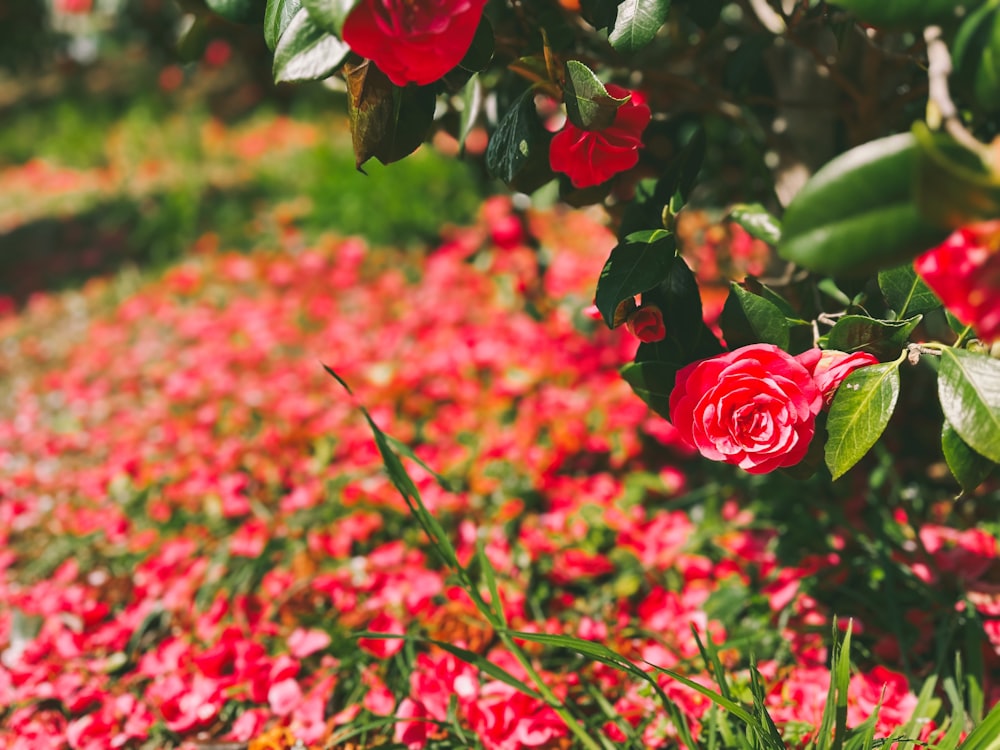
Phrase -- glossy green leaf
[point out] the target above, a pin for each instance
(757, 221)
(954, 187)
(909, 14)
(589, 106)
(969, 389)
(305, 52)
(905, 292)
(330, 15)
(859, 333)
(986, 736)
(749, 319)
(238, 11)
(277, 17)
(859, 414)
(600, 14)
(969, 468)
(636, 24)
(634, 266)
(520, 144)
(857, 214)
(652, 381)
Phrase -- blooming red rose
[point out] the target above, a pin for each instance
(964, 271)
(754, 407)
(646, 324)
(413, 41)
(830, 367)
(590, 157)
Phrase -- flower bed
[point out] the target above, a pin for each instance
(195, 522)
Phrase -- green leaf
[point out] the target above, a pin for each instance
(238, 11)
(758, 222)
(589, 106)
(305, 52)
(387, 122)
(652, 381)
(472, 105)
(969, 389)
(599, 13)
(976, 54)
(986, 736)
(749, 319)
(859, 333)
(906, 292)
(519, 147)
(688, 338)
(277, 16)
(857, 214)
(859, 414)
(908, 14)
(330, 15)
(637, 23)
(633, 267)
(968, 467)
(954, 187)
(481, 50)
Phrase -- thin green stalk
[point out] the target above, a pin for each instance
(564, 713)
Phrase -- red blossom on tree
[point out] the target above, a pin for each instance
(590, 157)
(413, 41)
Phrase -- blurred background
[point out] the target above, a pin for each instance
(130, 130)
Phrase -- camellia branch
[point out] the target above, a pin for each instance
(941, 108)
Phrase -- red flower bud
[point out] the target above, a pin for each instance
(646, 324)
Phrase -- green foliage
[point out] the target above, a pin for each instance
(857, 214)
(748, 319)
(859, 414)
(636, 265)
(636, 24)
(969, 389)
(304, 51)
(908, 13)
(758, 221)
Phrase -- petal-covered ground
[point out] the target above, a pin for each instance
(195, 520)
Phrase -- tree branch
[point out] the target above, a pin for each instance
(941, 108)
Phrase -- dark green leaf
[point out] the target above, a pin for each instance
(599, 13)
(969, 389)
(749, 319)
(762, 290)
(633, 268)
(986, 736)
(906, 292)
(859, 333)
(758, 222)
(330, 15)
(859, 414)
(305, 52)
(387, 122)
(908, 14)
(238, 11)
(520, 143)
(636, 24)
(967, 466)
(976, 53)
(954, 187)
(589, 106)
(652, 381)
(688, 338)
(857, 214)
(278, 15)
(481, 50)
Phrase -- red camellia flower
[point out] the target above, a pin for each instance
(590, 157)
(830, 367)
(754, 407)
(413, 41)
(646, 324)
(964, 271)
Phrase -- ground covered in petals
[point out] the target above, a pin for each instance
(195, 522)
